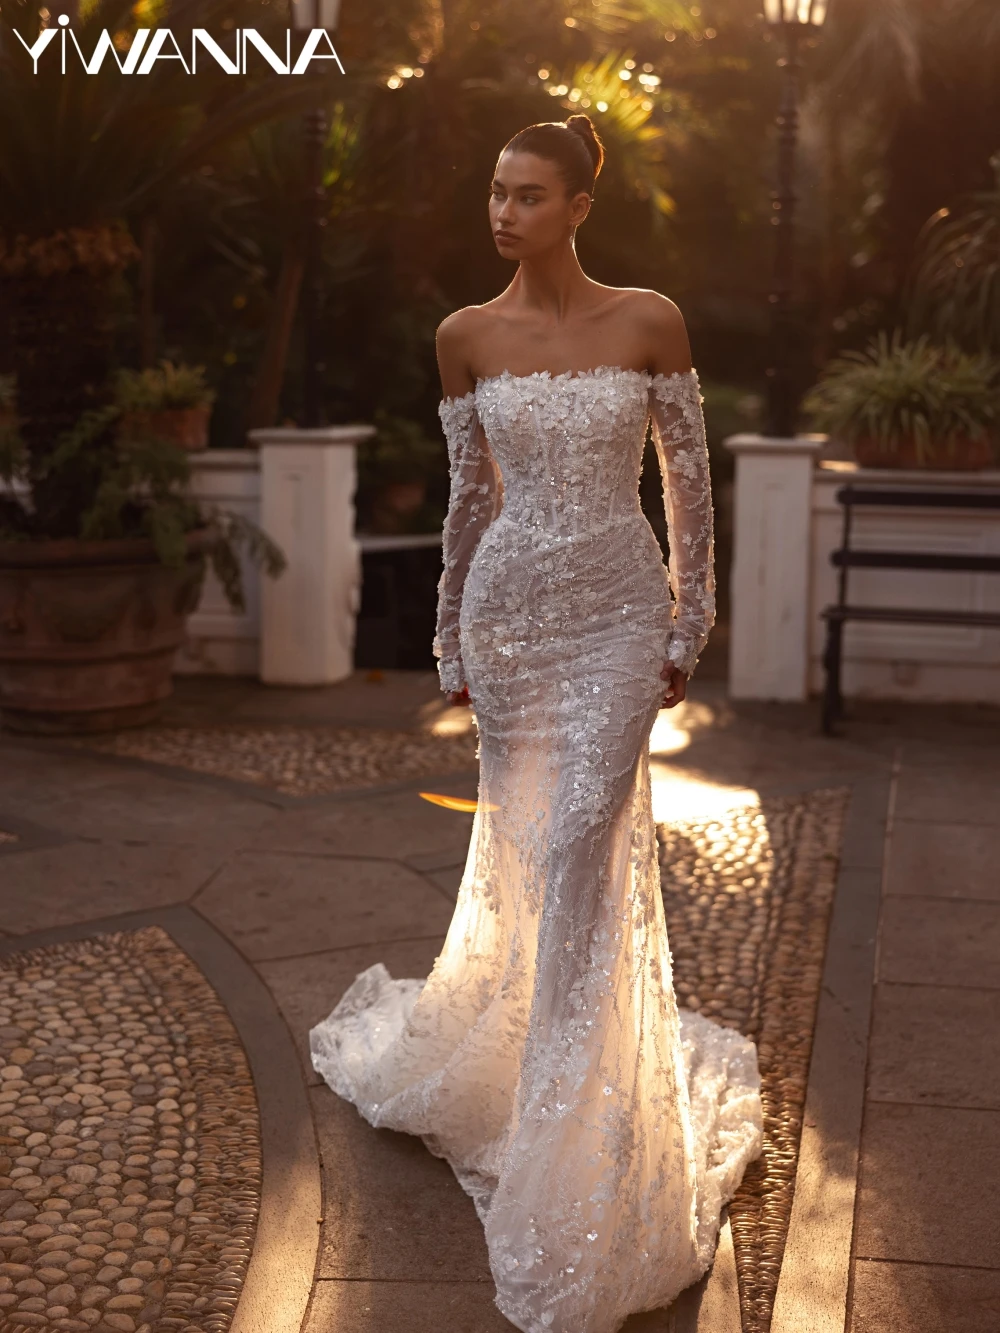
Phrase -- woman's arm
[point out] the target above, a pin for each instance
(679, 436)
(474, 498)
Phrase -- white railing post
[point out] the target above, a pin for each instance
(308, 614)
(769, 595)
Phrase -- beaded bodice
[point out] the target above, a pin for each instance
(558, 457)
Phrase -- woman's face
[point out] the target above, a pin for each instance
(529, 210)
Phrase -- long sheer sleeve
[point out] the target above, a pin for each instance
(679, 436)
(475, 497)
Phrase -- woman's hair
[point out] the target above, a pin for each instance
(573, 145)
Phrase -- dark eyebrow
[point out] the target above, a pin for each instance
(522, 187)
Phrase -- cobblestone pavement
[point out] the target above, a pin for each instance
(129, 1148)
(314, 888)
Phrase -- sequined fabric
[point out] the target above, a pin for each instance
(598, 1130)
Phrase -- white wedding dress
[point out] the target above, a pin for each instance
(598, 1130)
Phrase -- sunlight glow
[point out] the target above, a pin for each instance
(678, 794)
(805, 12)
(451, 802)
(453, 722)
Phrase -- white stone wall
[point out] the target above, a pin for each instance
(787, 522)
(957, 664)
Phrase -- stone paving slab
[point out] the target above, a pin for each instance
(80, 881)
(927, 1192)
(455, 1307)
(936, 1045)
(937, 860)
(91, 797)
(897, 1297)
(276, 906)
(944, 943)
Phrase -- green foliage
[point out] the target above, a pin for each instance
(160, 387)
(896, 390)
(955, 286)
(138, 487)
(233, 533)
(400, 450)
(80, 149)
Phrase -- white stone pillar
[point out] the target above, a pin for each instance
(769, 592)
(308, 613)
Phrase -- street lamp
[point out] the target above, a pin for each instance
(794, 19)
(307, 15)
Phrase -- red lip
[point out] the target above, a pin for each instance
(506, 236)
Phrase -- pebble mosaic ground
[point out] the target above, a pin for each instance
(297, 761)
(130, 1162)
(129, 1143)
(747, 897)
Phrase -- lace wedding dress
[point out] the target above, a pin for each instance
(598, 1130)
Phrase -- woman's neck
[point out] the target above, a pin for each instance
(552, 285)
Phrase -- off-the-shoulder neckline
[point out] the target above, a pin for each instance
(547, 375)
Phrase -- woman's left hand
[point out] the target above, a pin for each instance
(676, 685)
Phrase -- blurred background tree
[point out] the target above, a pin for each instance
(900, 121)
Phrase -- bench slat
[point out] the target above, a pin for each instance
(926, 499)
(914, 560)
(912, 615)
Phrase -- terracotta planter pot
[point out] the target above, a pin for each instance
(968, 456)
(183, 426)
(88, 632)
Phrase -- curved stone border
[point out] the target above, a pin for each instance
(276, 1289)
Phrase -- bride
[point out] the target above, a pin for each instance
(599, 1130)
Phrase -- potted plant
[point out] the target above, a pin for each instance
(167, 402)
(911, 403)
(394, 469)
(101, 548)
(91, 616)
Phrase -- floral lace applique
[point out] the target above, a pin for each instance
(598, 1130)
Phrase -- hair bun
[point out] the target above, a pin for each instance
(584, 127)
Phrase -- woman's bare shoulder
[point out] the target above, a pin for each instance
(463, 323)
(662, 326)
(457, 337)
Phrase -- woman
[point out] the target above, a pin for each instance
(598, 1130)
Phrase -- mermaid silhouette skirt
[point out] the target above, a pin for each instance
(598, 1130)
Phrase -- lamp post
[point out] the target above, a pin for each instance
(794, 19)
(306, 15)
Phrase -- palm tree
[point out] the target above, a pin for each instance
(955, 284)
(85, 159)
(904, 105)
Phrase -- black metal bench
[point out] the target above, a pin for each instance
(847, 558)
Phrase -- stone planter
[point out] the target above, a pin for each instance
(968, 456)
(186, 427)
(88, 632)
